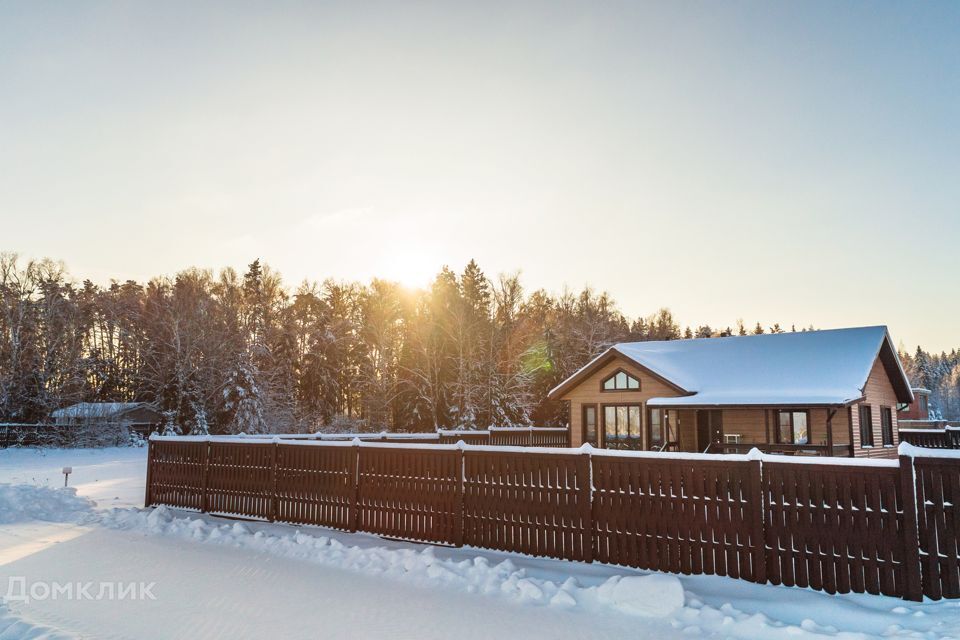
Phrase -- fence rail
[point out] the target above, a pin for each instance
(502, 436)
(948, 438)
(881, 527)
(511, 436)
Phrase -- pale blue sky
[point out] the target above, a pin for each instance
(783, 162)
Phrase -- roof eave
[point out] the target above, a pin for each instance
(900, 382)
(591, 367)
(750, 405)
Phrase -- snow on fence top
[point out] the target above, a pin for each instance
(536, 429)
(753, 454)
(424, 435)
(488, 430)
(463, 432)
(913, 451)
(333, 437)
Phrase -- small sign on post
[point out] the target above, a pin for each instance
(66, 474)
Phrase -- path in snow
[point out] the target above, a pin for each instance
(205, 591)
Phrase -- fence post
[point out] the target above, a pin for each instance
(147, 498)
(913, 579)
(585, 500)
(204, 483)
(273, 481)
(355, 494)
(458, 508)
(759, 518)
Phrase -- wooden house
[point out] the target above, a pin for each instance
(829, 393)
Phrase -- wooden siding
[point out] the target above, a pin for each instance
(918, 409)
(588, 392)
(878, 392)
(687, 425)
(751, 425)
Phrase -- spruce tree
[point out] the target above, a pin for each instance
(243, 399)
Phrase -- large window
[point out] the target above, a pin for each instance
(886, 425)
(663, 429)
(866, 426)
(590, 424)
(621, 426)
(621, 381)
(793, 427)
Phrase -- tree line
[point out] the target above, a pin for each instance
(940, 373)
(229, 353)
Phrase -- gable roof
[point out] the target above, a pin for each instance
(100, 409)
(828, 367)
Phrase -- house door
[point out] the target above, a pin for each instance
(709, 428)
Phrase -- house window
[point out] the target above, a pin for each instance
(662, 429)
(923, 406)
(621, 426)
(590, 424)
(866, 426)
(621, 381)
(886, 425)
(793, 427)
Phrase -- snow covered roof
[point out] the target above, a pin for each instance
(99, 409)
(827, 367)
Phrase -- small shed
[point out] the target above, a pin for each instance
(141, 417)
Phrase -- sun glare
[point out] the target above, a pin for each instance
(414, 269)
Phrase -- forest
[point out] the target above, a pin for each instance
(230, 353)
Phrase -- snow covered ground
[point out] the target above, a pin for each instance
(210, 577)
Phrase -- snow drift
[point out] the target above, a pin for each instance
(13, 627)
(641, 595)
(24, 503)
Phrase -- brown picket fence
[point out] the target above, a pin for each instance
(835, 527)
(510, 436)
(840, 526)
(680, 515)
(938, 521)
(946, 438)
(527, 502)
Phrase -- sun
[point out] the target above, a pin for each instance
(409, 267)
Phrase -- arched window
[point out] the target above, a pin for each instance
(621, 381)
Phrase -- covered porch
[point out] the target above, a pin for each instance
(787, 430)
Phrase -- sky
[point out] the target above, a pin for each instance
(791, 162)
